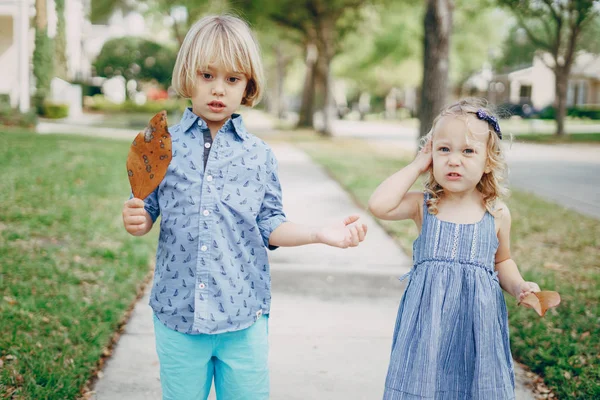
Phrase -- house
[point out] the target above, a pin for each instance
(15, 51)
(535, 84)
(17, 42)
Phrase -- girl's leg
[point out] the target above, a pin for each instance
(186, 365)
(242, 363)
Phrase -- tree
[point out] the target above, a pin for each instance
(136, 58)
(320, 26)
(436, 47)
(60, 42)
(42, 55)
(556, 27)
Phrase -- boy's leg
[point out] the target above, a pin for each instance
(242, 363)
(186, 365)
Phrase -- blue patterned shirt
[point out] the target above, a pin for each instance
(212, 272)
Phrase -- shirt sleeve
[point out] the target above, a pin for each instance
(271, 213)
(151, 204)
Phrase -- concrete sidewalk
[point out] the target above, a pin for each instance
(332, 315)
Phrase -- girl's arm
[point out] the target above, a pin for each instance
(508, 273)
(391, 201)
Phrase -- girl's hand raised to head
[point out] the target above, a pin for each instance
(424, 158)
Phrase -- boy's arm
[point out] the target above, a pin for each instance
(139, 215)
(343, 235)
(508, 273)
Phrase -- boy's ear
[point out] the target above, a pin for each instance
(250, 91)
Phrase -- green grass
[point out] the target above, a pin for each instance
(549, 138)
(68, 270)
(555, 247)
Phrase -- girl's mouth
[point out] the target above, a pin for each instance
(453, 176)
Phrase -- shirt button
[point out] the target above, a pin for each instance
(205, 213)
(207, 145)
(259, 313)
(209, 178)
(201, 285)
(199, 122)
(203, 248)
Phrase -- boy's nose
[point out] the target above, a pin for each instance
(218, 90)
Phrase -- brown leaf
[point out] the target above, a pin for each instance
(542, 301)
(149, 157)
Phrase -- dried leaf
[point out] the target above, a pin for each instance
(542, 301)
(149, 157)
(553, 266)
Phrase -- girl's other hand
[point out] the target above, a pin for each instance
(526, 289)
(424, 158)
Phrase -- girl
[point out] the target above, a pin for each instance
(221, 209)
(451, 335)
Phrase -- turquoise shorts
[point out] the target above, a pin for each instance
(238, 362)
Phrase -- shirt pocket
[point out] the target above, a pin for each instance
(244, 189)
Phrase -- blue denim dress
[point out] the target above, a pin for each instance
(451, 336)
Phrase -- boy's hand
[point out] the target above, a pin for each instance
(424, 159)
(525, 289)
(136, 219)
(343, 235)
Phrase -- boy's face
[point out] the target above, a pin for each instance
(459, 152)
(217, 94)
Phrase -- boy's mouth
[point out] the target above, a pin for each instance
(216, 106)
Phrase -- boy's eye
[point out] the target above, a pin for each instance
(206, 75)
(233, 79)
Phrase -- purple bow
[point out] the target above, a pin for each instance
(490, 119)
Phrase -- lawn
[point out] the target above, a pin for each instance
(68, 270)
(558, 248)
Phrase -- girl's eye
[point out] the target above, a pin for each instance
(469, 151)
(444, 149)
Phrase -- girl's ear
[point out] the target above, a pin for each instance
(487, 169)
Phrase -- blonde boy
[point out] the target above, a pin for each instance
(221, 207)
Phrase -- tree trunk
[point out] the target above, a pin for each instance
(560, 103)
(436, 46)
(281, 65)
(307, 106)
(326, 46)
(61, 68)
(41, 15)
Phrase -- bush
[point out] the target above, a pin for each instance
(55, 110)
(99, 103)
(575, 112)
(13, 117)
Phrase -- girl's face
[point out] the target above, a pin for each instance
(460, 152)
(217, 94)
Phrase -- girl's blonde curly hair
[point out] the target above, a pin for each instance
(493, 183)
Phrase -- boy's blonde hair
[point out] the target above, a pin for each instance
(219, 39)
(493, 183)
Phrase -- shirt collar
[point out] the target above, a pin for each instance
(188, 119)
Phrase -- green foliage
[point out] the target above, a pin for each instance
(60, 41)
(13, 117)
(55, 110)
(99, 103)
(575, 112)
(136, 58)
(69, 270)
(43, 67)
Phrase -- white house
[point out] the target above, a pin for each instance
(15, 51)
(17, 42)
(534, 85)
